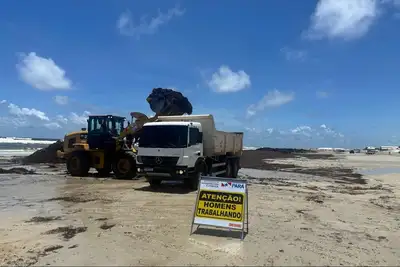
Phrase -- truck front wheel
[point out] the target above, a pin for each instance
(193, 181)
(154, 183)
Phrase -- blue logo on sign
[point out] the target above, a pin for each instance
(238, 186)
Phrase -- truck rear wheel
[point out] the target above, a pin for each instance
(124, 165)
(235, 168)
(78, 163)
(229, 168)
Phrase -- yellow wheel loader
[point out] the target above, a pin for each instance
(106, 146)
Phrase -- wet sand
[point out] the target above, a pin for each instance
(49, 218)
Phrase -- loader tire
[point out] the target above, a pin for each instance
(124, 165)
(78, 163)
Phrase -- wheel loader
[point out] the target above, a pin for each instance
(105, 149)
(106, 145)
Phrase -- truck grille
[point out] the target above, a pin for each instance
(162, 161)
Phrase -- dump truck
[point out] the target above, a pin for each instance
(186, 147)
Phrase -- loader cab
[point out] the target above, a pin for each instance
(103, 131)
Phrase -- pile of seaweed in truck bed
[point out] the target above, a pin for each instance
(45, 155)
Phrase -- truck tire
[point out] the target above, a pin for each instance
(193, 182)
(229, 168)
(235, 168)
(78, 163)
(124, 165)
(155, 183)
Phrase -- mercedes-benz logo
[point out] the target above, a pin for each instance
(158, 160)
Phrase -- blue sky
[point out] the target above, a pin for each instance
(287, 73)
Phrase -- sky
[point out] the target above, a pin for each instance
(287, 73)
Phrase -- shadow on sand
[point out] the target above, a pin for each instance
(169, 188)
(219, 232)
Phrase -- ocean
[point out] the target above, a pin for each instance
(14, 146)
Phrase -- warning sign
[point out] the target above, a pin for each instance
(221, 202)
(220, 205)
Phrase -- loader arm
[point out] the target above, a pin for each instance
(134, 128)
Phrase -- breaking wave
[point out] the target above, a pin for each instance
(22, 144)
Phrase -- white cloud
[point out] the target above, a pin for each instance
(342, 19)
(20, 117)
(328, 131)
(126, 26)
(7, 121)
(272, 99)
(79, 119)
(26, 112)
(53, 125)
(300, 136)
(293, 54)
(61, 119)
(3, 101)
(61, 100)
(42, 73)
(301, 130)
(225, 80)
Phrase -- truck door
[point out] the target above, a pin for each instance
(195, 147)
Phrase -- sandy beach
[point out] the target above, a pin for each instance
(49, 218)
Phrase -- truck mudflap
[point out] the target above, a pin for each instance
(174, 172)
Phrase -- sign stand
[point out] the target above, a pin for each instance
(222, 194)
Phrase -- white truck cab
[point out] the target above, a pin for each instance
(175, 148)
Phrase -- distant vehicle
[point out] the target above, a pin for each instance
(370, 152)
(355, 151)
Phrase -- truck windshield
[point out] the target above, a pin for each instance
(164, 136)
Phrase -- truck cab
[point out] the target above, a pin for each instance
(169, 150)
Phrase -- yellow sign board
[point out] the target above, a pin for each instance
(220, 205)
(221, 202)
